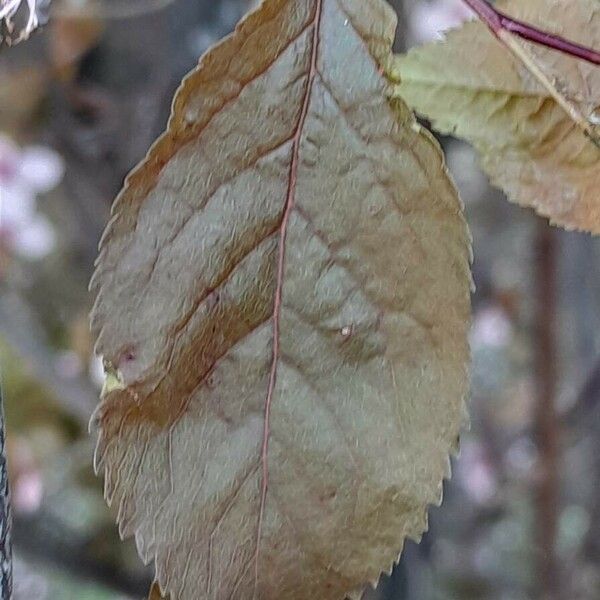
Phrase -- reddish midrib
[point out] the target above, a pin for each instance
(289, 207)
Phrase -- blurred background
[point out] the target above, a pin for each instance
(80, 103)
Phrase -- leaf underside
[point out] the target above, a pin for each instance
(472, 87)
(283, 297)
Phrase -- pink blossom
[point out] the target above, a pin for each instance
(475, 473)
(27, 483)
(491, 328)
(25, 173)
(428, 20)
(28, 492)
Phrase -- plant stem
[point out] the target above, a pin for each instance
(6, 561)
(498, 22)
(547, 480)
(5, 517)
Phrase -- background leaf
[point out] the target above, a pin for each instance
(283, 301)
(472, 87)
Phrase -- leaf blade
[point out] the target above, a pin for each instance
(191, 269)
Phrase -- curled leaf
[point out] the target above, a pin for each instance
(283, 299)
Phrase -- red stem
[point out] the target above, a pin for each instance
(498, 21)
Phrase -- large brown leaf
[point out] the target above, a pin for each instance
(283, 300)
(471, 86)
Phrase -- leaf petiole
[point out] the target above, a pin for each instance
(498, 22)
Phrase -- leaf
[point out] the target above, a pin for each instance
(282, 306)
(472, 87)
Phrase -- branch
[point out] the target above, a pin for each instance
(510, 32)
(498, 22)
(547, 429)
(5, 517)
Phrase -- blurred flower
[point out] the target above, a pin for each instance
(96, 371)
(27, 483)
(68, 364)
(475, 473)
(27, 492)
(491, 327)
(491, 335)
(23, 175)
(429, 19)
(463, 163)
(520, 458)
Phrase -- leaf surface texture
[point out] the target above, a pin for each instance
(282, 306)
